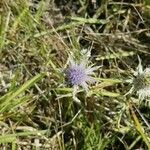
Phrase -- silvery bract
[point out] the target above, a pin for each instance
(141, 82)
(79, 75)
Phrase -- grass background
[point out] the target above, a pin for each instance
(36, 109)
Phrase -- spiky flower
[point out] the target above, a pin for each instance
(141, 82)
(79, 74)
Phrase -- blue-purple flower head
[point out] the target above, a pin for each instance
(79, 74)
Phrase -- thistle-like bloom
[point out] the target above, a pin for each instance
(141, 82)
(80, 74)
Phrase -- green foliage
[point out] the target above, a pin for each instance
(37, 109)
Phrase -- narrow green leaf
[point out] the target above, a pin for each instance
(7, 138)
(25, 86)
(3, 29)
(89, 20)
(16, 93)
(139, 128)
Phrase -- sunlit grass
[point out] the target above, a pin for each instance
(37, 110)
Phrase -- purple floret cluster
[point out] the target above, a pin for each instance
(80, 74)
(75, 74)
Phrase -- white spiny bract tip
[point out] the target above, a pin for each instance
(79, 74)
(144, 92)
(142, 84)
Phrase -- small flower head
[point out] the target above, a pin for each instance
(141, 82)
(79, 74)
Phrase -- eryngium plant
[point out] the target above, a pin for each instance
(141, 82)
(79, 75)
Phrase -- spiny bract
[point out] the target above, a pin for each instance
(79, 74)
(141, 82)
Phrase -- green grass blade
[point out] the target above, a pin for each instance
(139, 128)
(21, 89)
(7, 138)
(89, 20)
(3, 29)
(25, 86)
